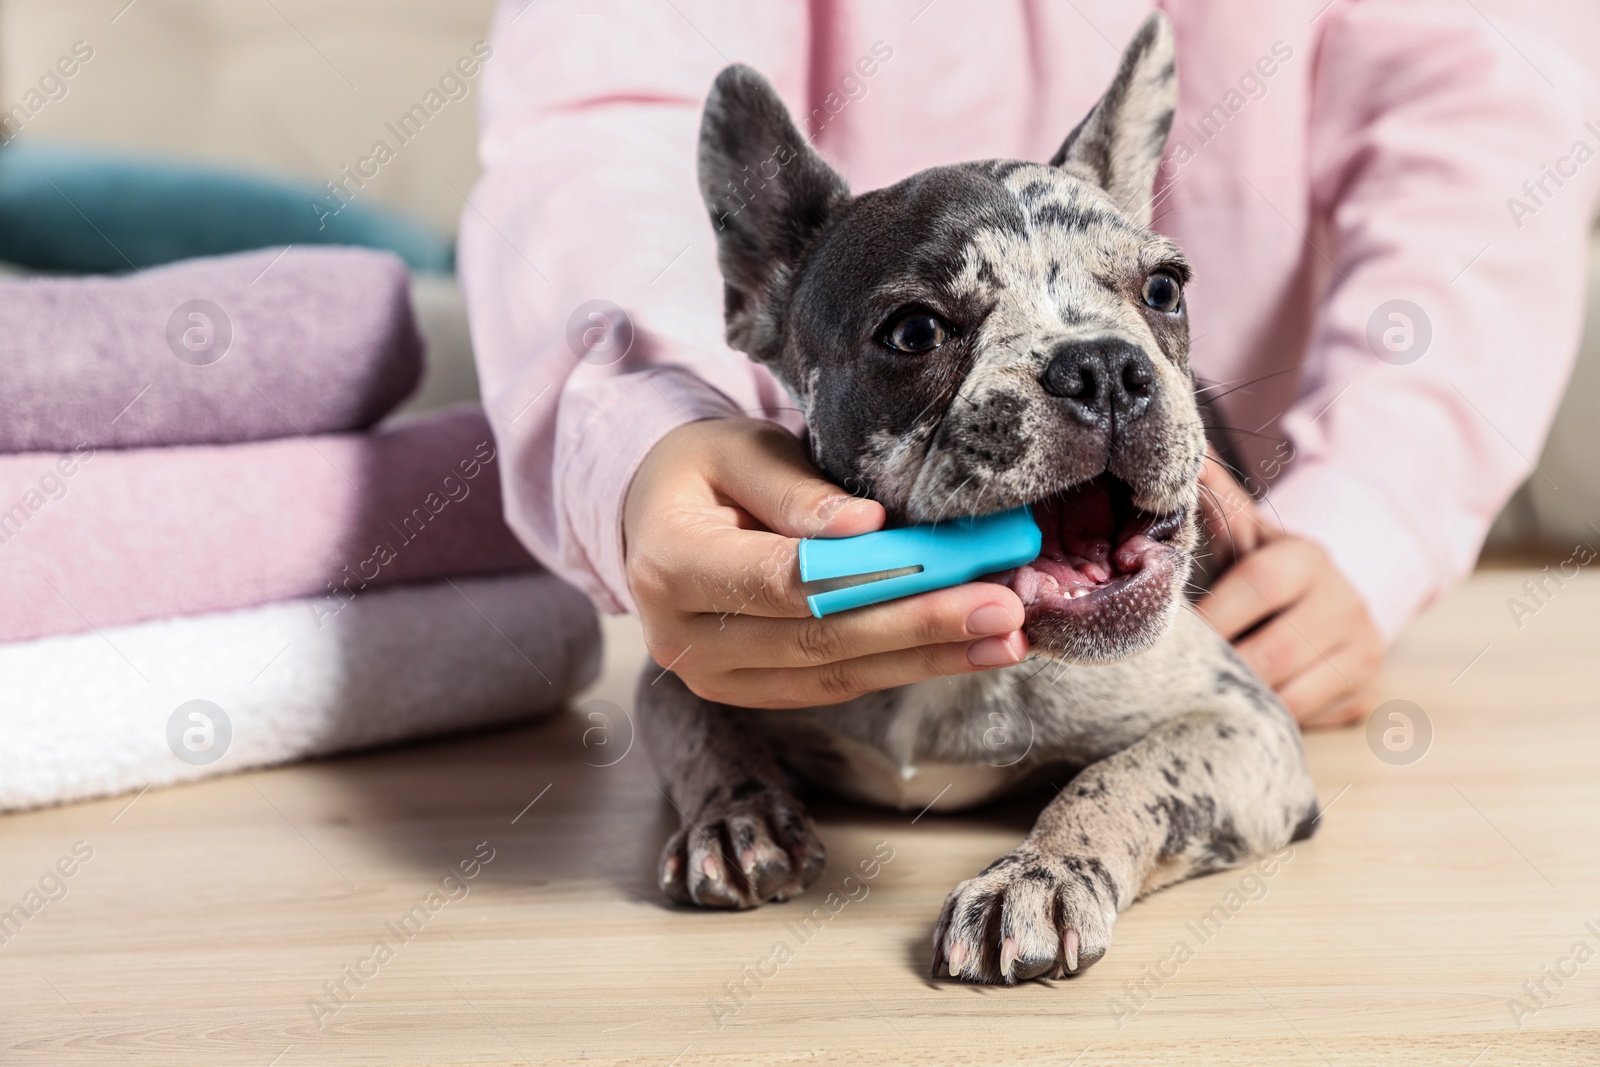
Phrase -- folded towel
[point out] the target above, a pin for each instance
(101, 537)
(236, 348)
(102, 713)
(75, 209)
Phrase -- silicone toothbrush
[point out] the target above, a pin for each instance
(916, 559)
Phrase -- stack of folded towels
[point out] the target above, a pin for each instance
(195, 506)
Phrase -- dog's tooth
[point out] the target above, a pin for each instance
(1069, 944)
(1008, 956)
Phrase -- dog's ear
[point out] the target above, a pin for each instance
(1119, 145)
(768, 193)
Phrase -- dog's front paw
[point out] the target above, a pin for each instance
(1027, 915)
(743, 851)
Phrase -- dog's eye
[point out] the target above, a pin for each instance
(1163, 292)
(917, 331)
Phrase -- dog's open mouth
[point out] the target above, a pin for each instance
(1100, 554)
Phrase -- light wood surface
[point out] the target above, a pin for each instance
(209, 915)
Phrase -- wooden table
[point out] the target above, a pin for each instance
(211, 921)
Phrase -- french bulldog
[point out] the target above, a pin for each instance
(979, 337)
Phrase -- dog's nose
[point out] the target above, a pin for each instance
(1099, 377)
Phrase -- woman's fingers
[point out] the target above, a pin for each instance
(1333, 690)
(1281, 649)
(770, 477)
(1321, 651)
(722, 570)
(834, 683)
(1265, 582)
(963, 613)
(1323, 619)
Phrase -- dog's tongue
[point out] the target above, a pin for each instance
(1079, 528)
(1083, 546)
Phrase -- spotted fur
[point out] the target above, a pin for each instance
(1172, 757)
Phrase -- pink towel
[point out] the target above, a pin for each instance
(98, 537)
(228, 348)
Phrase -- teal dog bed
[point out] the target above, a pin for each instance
(78, 210)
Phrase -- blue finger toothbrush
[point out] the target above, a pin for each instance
(891, 564)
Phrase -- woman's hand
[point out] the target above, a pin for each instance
(711, 524)
(1307, 631)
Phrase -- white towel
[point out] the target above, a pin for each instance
(93, 714)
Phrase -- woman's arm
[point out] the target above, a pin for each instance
(589, 194)
(1427, 120)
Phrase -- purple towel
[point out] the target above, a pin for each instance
(245, 347)
(98, 538)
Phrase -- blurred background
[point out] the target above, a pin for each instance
(296, 90)
(248, 529)
(289, 90)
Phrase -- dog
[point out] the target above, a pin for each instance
(975, 338)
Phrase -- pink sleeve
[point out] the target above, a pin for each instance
(590, 117)
(1426, 121)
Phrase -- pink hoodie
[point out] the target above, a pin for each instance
(1328, 159)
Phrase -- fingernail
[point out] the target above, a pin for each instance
(832, 506)
(994, 652)
(850, 507)
(990, 619)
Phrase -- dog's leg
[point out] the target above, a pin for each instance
(1204, 790)
(744, 838)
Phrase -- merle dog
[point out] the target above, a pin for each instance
(975, 338)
